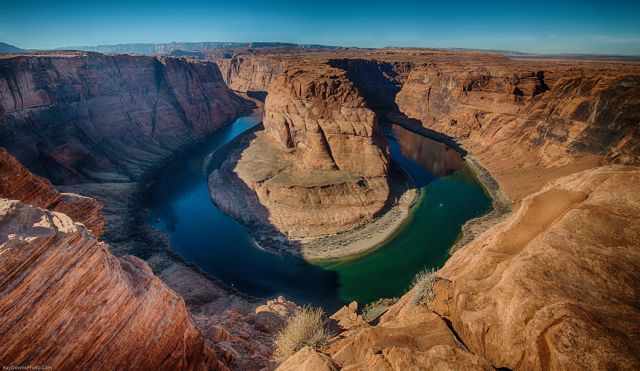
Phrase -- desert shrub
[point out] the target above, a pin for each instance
(423, 287)
(374, 309)
(305, 328)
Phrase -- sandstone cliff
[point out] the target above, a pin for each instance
(247, 73)
(319, 167)
(553, 287)
(86, 117)
(528, 122)
(68, 303)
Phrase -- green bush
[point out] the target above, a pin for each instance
(305, 328)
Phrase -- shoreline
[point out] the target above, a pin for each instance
(366, 238)
(501, 205)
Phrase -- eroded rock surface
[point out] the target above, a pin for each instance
(250, 73)
(319, 167)
(17, 183)
(555, 286)
(66, 302)
(529, 122)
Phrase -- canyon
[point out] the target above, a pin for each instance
(550, 282)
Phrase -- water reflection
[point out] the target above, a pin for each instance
(435, 157)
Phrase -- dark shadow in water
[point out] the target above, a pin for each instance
(203, 235)
(414, 125)
(258, 95)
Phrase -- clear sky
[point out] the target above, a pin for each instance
(587, 26)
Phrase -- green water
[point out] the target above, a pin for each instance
(446, 203)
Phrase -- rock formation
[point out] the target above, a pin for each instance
(319, 167)
(250, 73)
(68, 303)
(240, 334)
(17, 183)
(554, 286)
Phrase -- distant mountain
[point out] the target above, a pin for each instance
(8, 48)
(168, 48)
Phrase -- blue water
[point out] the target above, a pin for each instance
(200, 233)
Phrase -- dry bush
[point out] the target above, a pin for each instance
(305, 328)
(423, 287)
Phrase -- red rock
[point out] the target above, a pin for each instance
(67, 303)
(18, 183)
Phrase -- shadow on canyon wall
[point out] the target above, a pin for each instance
(379, 83)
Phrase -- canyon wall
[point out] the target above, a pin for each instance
(377, 80)
(247, 73)
(521, 118)
(85, 117)
(319, 167)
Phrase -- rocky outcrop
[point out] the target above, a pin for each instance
(67, 303)
(555, 285)
(552, 287)
(17, 183)
(417, 340)
(240, 334)
(85, 117)
(319, 167)
(246, 336)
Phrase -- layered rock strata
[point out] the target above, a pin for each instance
(319, 167)
(247, 73)
(527, 122)
(68, 303)
(241, 333)
(99, 125)
(86, 117)
(17, 183)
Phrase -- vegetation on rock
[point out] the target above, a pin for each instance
(423, 287)
(305, 328)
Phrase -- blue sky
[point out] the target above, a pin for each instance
(608, 27)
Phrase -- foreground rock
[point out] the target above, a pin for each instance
(319, 167)
(553, 287)
(18, 183)
(68, 303)
(240, 332)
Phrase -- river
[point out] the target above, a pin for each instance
(200, 233)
